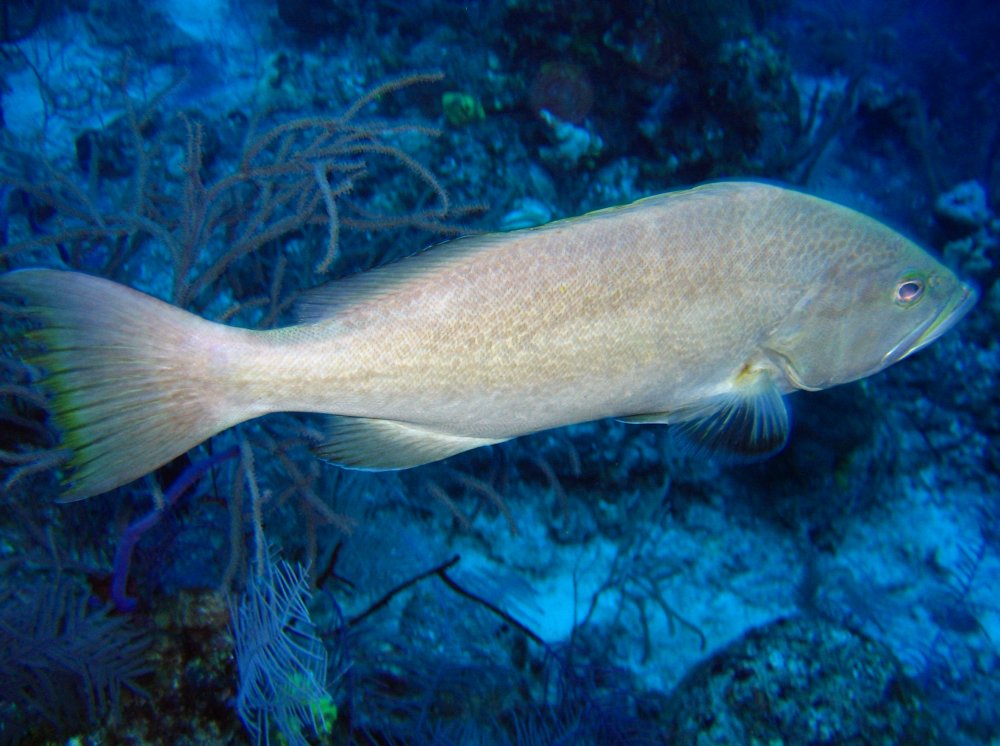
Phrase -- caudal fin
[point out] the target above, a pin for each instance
(133, 379)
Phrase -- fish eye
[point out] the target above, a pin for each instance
(909, 291)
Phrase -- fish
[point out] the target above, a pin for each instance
(700, 308)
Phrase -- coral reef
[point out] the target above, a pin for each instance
(596, 584)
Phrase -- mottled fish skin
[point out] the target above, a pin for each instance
(646, 308)
(636, 309)
(699, 306)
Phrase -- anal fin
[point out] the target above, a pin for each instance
(381, 445)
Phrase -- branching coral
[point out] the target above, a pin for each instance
(290, 179)
(62, 663)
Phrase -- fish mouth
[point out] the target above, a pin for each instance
(927, 332)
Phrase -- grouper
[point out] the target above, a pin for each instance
(701, 307)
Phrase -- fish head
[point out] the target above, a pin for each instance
(878, 298)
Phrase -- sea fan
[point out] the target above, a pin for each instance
(62, 663)
(282, 664)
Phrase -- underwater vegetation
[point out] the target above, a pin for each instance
(596, 584)
(63, 663)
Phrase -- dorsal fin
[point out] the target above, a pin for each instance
(326, 302)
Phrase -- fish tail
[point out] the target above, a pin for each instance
(135, 382)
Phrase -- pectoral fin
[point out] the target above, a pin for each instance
(749, 422)
(379, 445)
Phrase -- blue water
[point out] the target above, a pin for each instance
(596, 584)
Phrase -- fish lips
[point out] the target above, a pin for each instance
(934, 327)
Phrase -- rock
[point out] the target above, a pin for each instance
(798, 682)
(964, 206)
